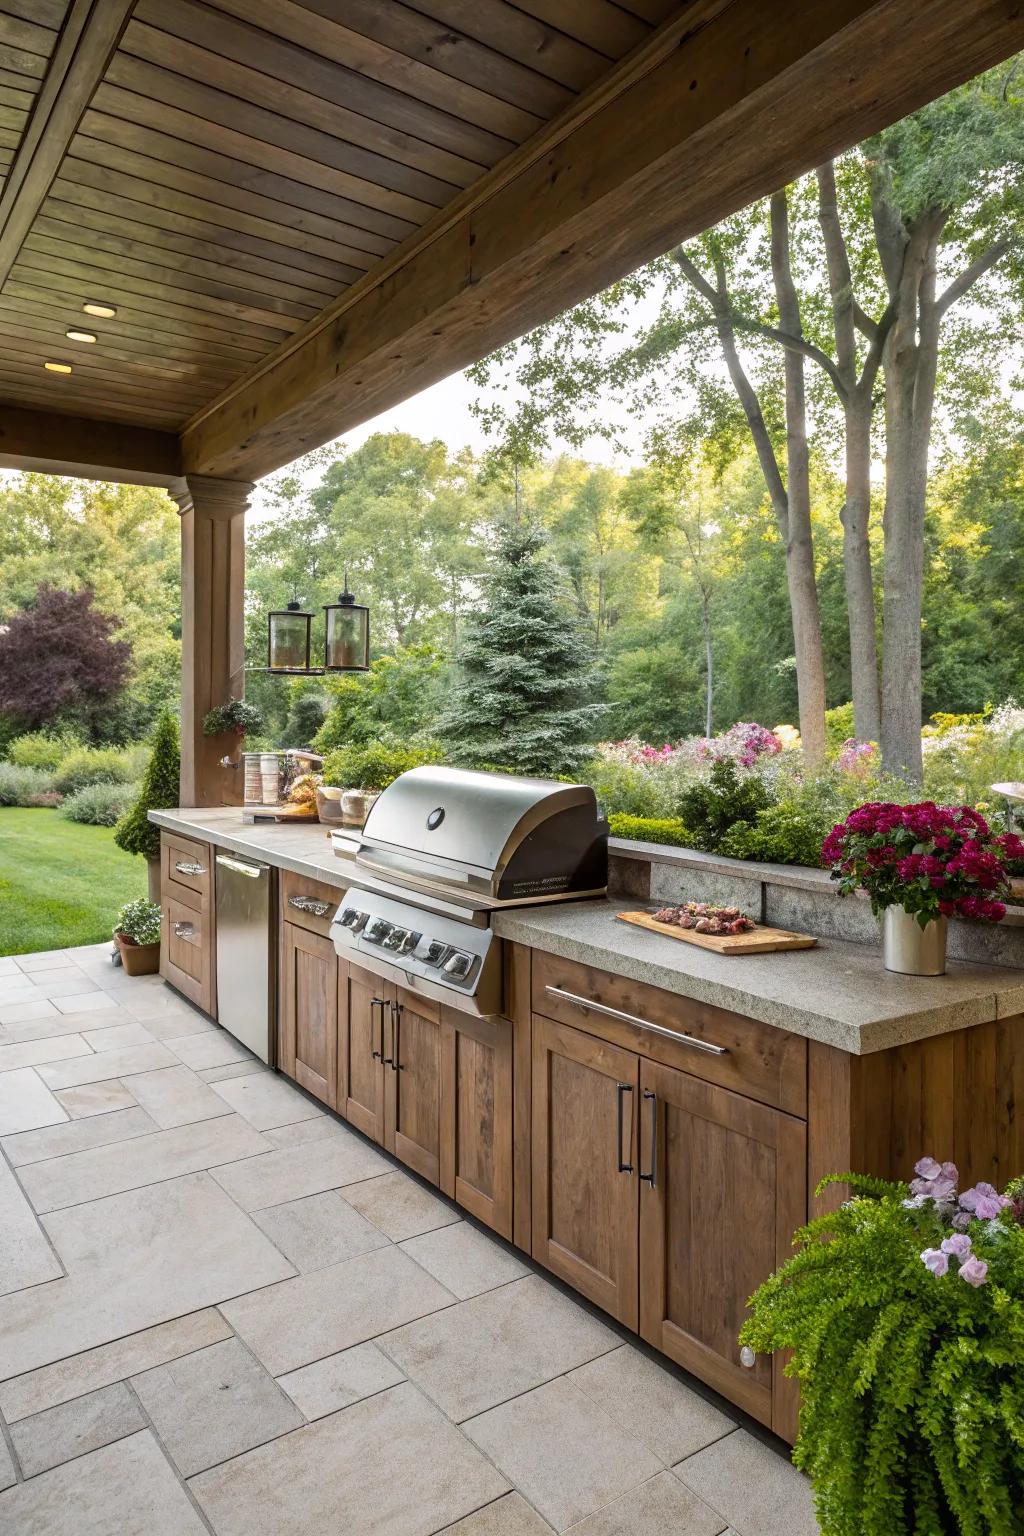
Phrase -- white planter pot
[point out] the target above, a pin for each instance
(910, 949)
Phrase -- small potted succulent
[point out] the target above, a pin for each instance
(921, 865)
(137, 932)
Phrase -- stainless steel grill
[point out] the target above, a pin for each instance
(443, 848)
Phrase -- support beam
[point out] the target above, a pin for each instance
(725, 104)
(212, 629)
(94, 450)
(91, 32)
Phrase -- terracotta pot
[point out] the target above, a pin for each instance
(138, 959)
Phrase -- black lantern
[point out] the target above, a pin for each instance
(348, 635)
(288, 639)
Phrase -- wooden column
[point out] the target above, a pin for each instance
(212, 628)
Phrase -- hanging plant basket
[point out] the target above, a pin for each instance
(235, 717)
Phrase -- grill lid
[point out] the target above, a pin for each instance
(511, 839)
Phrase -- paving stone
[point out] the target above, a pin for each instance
(318, 1231)
(76, 1135)
(45, 960)
(303, 1130)
(26, 1257)
(174, 1023)
(215, 1404)
(105, 1064)
(400, 1206)
(36, 1029)
(266, 1101)
(751, 1486)
(562, 1451)
(301, 1320)
(96, 1098)
(508, 1516)
(128, 1489)
(340, 1380)
(396, 1468)
(209, 1050)
(656, 1508)
(17, 1013)
(661, 1410)
(134, 1260)
(32, 1053)
(95, 1368)
(114, 1037)
(175, 1096)
(54, 984)
(8, 1476)
(60, 1434)
(108, 1170)
(291, 1172)
(26, 1102)
(497, 1345)
(465, 1260)
(83, 1002)
(232, 1069)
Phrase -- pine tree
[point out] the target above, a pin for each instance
(135, 833)
(523, 690)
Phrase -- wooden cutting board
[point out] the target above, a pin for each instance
(757, 941)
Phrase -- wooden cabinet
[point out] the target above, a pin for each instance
(476, 1116)
(364, 1018)
(723, 1187)
(188, 920)
(412, 1084)
(308, 1012)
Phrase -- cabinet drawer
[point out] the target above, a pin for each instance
(185, 867)
(186, 950)
(307, 903)
(752, 1058)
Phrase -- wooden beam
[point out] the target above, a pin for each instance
(91, 32)
(727, 102)
(95, 450)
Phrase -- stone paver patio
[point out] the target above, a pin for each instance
(223, 1311)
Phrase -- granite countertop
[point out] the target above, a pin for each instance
(837, 993)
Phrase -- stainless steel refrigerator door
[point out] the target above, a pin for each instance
(245, 952)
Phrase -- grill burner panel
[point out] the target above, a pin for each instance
(424, 952)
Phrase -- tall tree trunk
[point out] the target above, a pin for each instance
(709, 662)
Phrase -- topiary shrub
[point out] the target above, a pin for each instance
(306, 715)
(25, 786)
(38, 749)
(159, 790)
(99, 805)
(715, 805)
(91, 765)
(650, 829)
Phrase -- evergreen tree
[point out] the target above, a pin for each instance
(523, 690)
(135, 833)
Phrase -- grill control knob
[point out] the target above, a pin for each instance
(352, 918)
(433, 952)
(377, 930)
(458, 965)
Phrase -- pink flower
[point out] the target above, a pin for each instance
(984, 1201)
(935, 1260)
(927, 1168)
(974, 1271)
(958, 1245)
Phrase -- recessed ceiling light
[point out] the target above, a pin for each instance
(101, 311)
(80, 335)
(58, 367)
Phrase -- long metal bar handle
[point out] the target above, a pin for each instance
(621, 1089)
(651, 1177)
(377, 1002)
(240, 868)
(586, 1003)
(396, 1037)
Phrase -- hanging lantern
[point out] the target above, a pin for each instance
(288, 639)
(348, 635)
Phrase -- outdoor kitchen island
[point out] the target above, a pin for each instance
(647, 1119)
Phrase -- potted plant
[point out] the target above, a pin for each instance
(237, 717)
(921, 865)
(361, 772)
(904, 1310)
(159, 790)
(137, 932)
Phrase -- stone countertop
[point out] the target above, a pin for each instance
(837, 993)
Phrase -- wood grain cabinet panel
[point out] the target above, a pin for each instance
(308, 903)
(723, 1189)
(188, 920)
(412, 1083)
(476, 1116)
(308, 1022)
(185, 866)
(364, 1028)
(585, 1209)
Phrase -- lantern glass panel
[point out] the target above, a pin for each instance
(289, 641)
(348, 637)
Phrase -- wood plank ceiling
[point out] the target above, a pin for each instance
(239, 163)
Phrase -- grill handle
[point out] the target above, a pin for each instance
(587, 1004)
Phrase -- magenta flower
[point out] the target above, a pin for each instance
(935, 1260)
(974, 1271)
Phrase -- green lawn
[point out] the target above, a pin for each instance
(60, 883)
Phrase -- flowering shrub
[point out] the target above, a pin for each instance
(857, 757)
(931, 860)
(904, 1310)
(743, 742)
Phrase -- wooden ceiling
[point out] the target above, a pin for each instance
(237, 164)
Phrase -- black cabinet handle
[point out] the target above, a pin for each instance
(621, 1089)
(377, 1002)
(396, 1037)
(651, 1177)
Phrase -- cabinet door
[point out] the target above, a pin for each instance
(585, 1206)
(364, 1035)
(308, 1029)
(412, 1084)
(186, 948)
(729, 1188)
(476, 1116)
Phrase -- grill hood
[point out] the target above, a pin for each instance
(490, 837)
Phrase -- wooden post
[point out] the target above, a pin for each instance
(212, 628)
